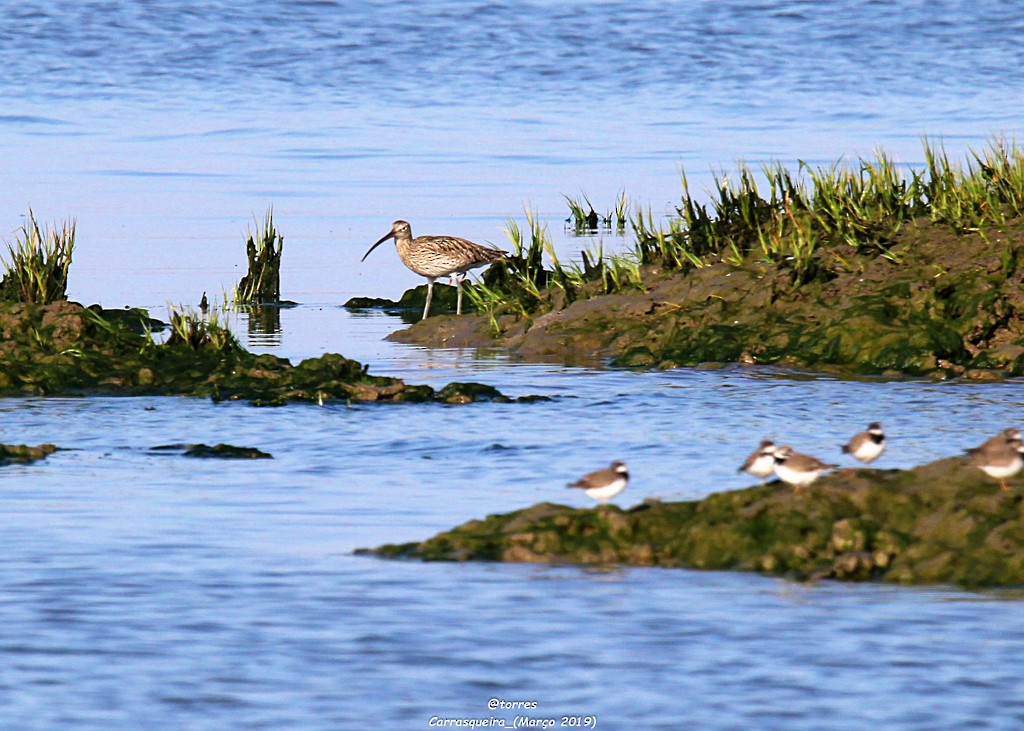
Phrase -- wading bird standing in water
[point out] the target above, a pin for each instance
(438, 256)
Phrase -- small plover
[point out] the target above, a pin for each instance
(798, 469)
(867, 445)
(1001, 456)
(602, 485)
(761, 462)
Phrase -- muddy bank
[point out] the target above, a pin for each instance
(937, 303)
(944, 522)
(66, 349)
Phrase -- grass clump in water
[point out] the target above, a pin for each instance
(200, 331)
(39, 262)
(583, 220)
(262, 283)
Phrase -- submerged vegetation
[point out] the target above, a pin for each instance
(262, 282)
(39, 262)
(868, 267)
(944, 522)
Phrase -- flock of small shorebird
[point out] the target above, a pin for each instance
(432, 257)
(1001, 457)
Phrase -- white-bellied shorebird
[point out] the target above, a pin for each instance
(868, 444)
(761, 462)
(799, 470)
(602, 485)
(1001, 456)
(438, 256)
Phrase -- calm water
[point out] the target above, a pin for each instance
(142, 590)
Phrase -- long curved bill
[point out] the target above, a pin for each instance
(383, 238)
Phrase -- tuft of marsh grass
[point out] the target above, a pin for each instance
(262, 282)
(517, 280)
(583, 220)
(200, 331)
(805, 220)
(39, 263)
(989, 189)
(811, 222)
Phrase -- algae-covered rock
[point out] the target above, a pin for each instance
(942, 522)
(24, 454)
(412, 301)
(217, 451)
(64, 348)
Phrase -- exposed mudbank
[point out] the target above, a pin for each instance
(937, 303)
(66, 349)
(943, 522)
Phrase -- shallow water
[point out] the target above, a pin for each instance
(142, 590)
(165, 592)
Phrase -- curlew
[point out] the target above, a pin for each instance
(438, 256)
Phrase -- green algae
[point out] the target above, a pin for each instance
(65, 349)
(24, 454)
(940, 523)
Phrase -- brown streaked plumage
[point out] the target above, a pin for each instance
(605, 484)
(798, 469)
(761, 462)
(868, 444)
(437, 256)
(1000, 456)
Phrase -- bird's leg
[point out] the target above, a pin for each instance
(1002, 485)
(458, 297)
(430, 293)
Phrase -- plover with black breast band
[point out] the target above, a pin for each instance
(1001, 456)
(799, 470)
(761, 462)
(866, 445)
